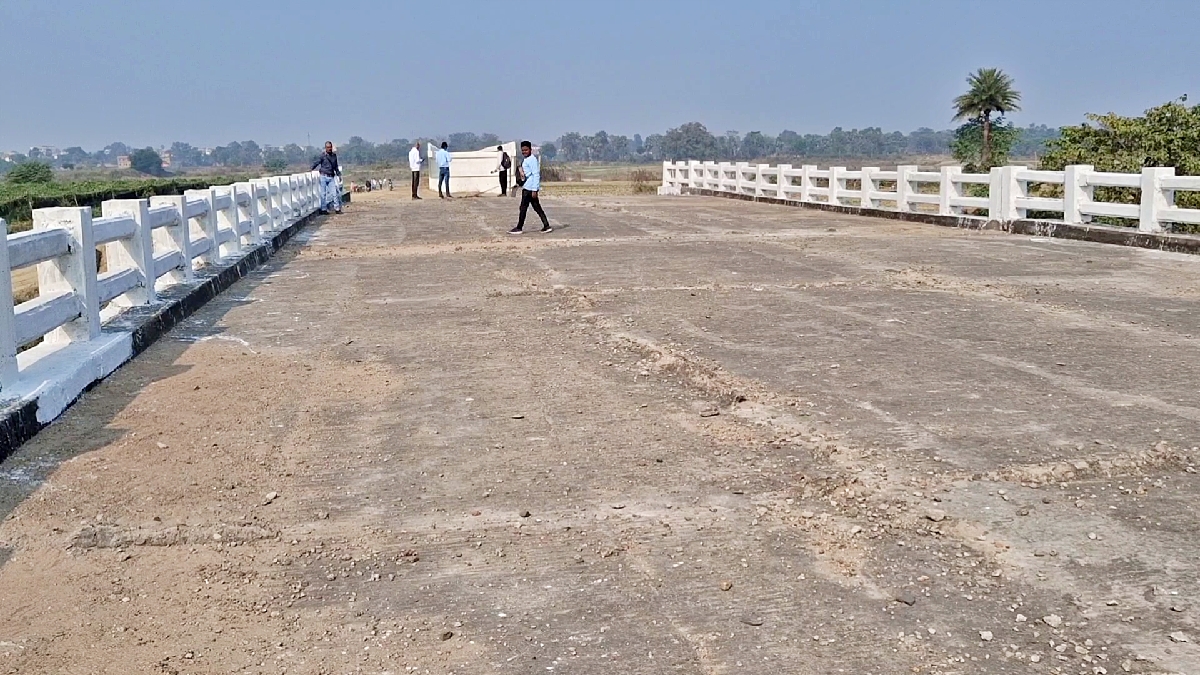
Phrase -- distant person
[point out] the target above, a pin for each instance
(415, 160)
(529, 177)
(443, 162)
(327, 166)
(503, 167)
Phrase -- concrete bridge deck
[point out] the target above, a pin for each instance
(411, 444)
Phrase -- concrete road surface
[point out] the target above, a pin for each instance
(676, 435)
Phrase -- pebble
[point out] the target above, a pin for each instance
(1053, 620)
(447, 635)
(161, 445)
(270, 497)
(985, 635)
(518, 417)
(1178, 636)
(726, 585)
(936, 515)
(752, 620)
(906, 598)
(525, 514)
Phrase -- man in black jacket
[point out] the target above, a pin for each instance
(327, 165)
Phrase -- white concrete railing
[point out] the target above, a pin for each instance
(149, 245)
(1009, 194)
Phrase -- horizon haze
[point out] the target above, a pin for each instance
(144, 73)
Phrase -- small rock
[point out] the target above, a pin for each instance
(518, 417)
(270, 497)
(1021, 618)
(1023, 511)
(726, 585)
(447, 635)
(476, 512)
(936, 515)
(161, 445)
(906, 598)
(618, 506)
(1053, 620)
(1092, 536)
(1178, 636)
(525, 513)
(985, 635)
(752, 620)
(1178, 608)
(1034, 658)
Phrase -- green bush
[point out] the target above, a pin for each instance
(31, 173)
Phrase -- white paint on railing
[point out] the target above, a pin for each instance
(148, 245)
(1009, 195)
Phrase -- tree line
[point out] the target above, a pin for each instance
(693, 141)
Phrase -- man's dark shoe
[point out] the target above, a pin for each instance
(516, 230)
(547, 228)
(322, 212)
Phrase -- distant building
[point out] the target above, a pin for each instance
(166, 158)
(46, 151)
(124, 163)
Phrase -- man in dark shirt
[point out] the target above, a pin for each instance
(327, 166)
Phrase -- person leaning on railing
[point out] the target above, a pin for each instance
(327, 166)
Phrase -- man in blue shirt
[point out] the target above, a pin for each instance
(529, 177)
(443, 162)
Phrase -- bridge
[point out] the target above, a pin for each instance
(679, 434)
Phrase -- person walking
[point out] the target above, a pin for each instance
(529, 177)
(503, 167)
(443, 162)
(415, 160)
(327, 166)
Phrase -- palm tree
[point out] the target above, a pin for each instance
(990, 91)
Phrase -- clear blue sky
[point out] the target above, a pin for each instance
(88, 72)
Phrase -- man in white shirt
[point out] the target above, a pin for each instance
(529, 177)
(415, 160)
(443, 162)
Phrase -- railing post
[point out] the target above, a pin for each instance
(866, 187)
(75, 271)
(723, 169)
(762, 185)
(948, 189)
(293, 197)
(1076, 192)
(208, 223)
(1154, 198)
(781, 185)
(177, 237)
(8, 318)
(835, 185)
(693, 177)
(229, 218)
(904, 174)
(248, 212)
(997, 194)
(136, 252)
(806, 182)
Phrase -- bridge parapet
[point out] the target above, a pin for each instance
(1006, 194)
(59, 342)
